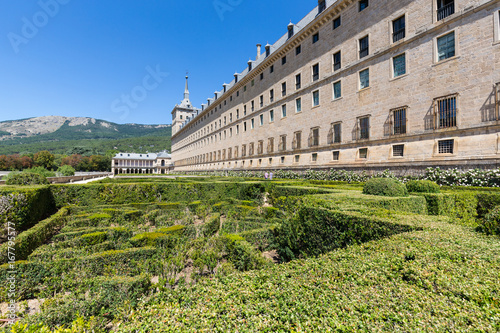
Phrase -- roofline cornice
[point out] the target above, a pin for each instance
(298, 38)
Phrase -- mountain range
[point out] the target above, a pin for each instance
(83, 135)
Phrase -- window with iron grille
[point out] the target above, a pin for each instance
(315, 37)
(363, 153)
(398, 150)
(314, 157)
(283, 111)
(229, 153)
(337, 22)
(364, 79)
(363, 47)
(445, 8)
(336, 155)
(260, 147)
(270, 145)
(297, 158)
(446, 146)
(445, 109)
(283, 89)
(398, 29)
(399, 65)
(298, 50)
(236, 152)
(315, 72)
(316, 98)
(297, 140)
(298, 105)
(314, 137)
(297, 81)
(337, 61)
(446, 46)
(250, 149)
(282, 159)
(398, 118)
(364, 128)
(282, 143)
(335, 135)
(337, 90)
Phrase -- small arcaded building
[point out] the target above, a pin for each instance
(130, 163)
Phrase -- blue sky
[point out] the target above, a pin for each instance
(81, 57)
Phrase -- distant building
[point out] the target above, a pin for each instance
(129, 163)
(358, 84)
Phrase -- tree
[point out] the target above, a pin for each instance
(44, 159)
(72, 160)
(66, 171)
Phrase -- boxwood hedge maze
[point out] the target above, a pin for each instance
(247, 255)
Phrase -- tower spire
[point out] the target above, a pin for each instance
(186, 91)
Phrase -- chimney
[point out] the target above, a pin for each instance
(258, 51)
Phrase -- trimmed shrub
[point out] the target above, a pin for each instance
(31, 239)
(460, 205)
(314, 231)
(26, 178)
(422, 186)
(242, 254)
(93, 238)
(388, 187)
(212, 225)
(490, 224)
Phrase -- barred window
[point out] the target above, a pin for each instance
(363, 153)
(314, 137)
(282, 159)
(445, 8)
(445, 109)
(243, 150)
(364, 128)
(251, 149)
(398, 118)
(297, 140)
(398, 150)
(336, 155)
(297, 158)
(282, 143)
(398, 29)
(314, 157)
(260, 147)
(446, 146)
(270, 145)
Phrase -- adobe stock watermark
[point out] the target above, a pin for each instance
(48, 9)
(223, 6)
(139, 93)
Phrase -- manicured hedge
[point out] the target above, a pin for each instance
(101, 194)
(25, 207)
(292, 191)
(314, 231)
(28, 241)
(388, 187)
(212, 226)
(461, 205)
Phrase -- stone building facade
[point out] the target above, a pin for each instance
(130, 163)
(359, 84)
